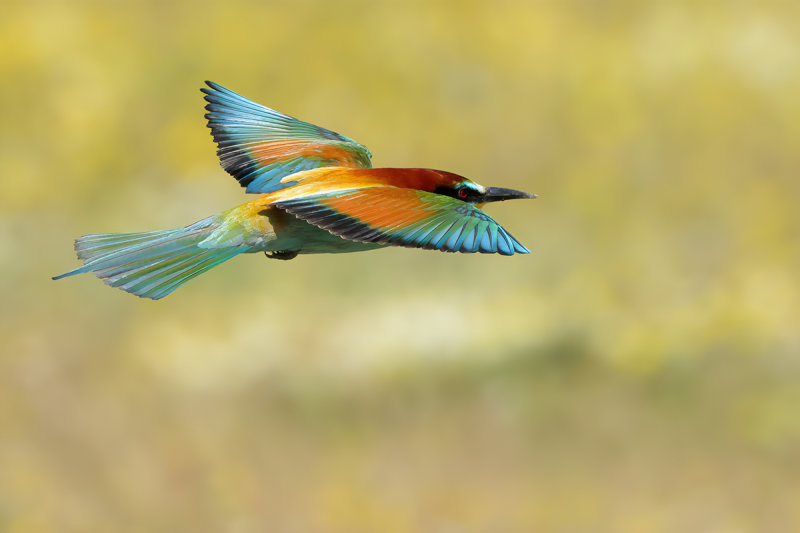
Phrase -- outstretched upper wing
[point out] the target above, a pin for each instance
(404, 217)
(259, 146)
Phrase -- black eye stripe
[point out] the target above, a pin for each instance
(461, 192)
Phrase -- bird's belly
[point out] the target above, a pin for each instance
(298, 235)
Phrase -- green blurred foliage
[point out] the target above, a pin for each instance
(637, 373)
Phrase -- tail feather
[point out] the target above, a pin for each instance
(150, 264)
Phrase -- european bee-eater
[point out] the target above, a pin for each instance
(320, 195)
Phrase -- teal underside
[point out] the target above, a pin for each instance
(301, 237)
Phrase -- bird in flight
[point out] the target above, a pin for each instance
(320, 194)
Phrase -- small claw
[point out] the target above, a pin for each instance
(283, 255)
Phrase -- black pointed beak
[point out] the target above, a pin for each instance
(497, 194)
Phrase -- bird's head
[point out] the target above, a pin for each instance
(468, 191)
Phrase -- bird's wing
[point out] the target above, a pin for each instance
(259, 146)
(404, 217)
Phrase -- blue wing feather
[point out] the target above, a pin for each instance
(260, 146)
(451, 226)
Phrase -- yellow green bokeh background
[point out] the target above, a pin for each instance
(638, 372)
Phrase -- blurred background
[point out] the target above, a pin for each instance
(638, 372)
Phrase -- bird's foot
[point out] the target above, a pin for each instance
(283, 255)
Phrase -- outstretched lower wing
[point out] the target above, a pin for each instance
(259, 146)
(405, 217)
